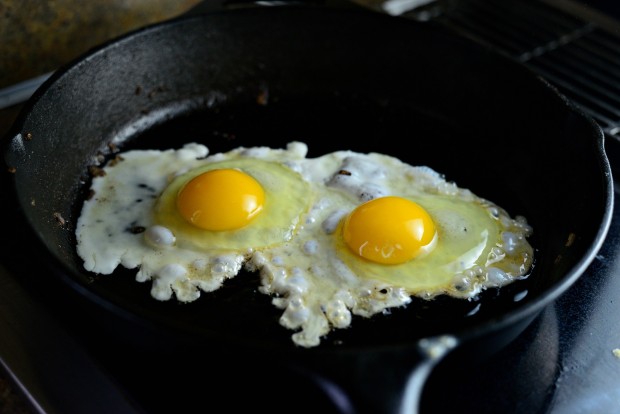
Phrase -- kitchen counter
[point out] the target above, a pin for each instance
(39, 36)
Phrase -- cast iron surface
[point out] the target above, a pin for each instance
(155, 89)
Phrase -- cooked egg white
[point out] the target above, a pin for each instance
(330, 237)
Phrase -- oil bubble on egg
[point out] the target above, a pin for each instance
(330, 237)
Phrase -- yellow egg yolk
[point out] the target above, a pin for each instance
(389, 230)
(222, 199)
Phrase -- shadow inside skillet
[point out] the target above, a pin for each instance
(485, 123)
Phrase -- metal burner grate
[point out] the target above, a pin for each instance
(577, 51)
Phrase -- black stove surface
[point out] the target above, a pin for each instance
(564, 362)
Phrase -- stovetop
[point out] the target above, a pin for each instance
(564, 362)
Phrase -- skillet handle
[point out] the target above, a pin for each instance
(389, 380)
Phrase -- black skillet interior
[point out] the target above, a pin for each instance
(335, 80)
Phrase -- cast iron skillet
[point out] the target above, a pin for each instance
(336, 79)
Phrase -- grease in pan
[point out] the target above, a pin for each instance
(342, 234)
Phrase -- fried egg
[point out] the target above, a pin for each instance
(342, 234)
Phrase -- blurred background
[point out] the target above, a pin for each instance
(38, 36)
